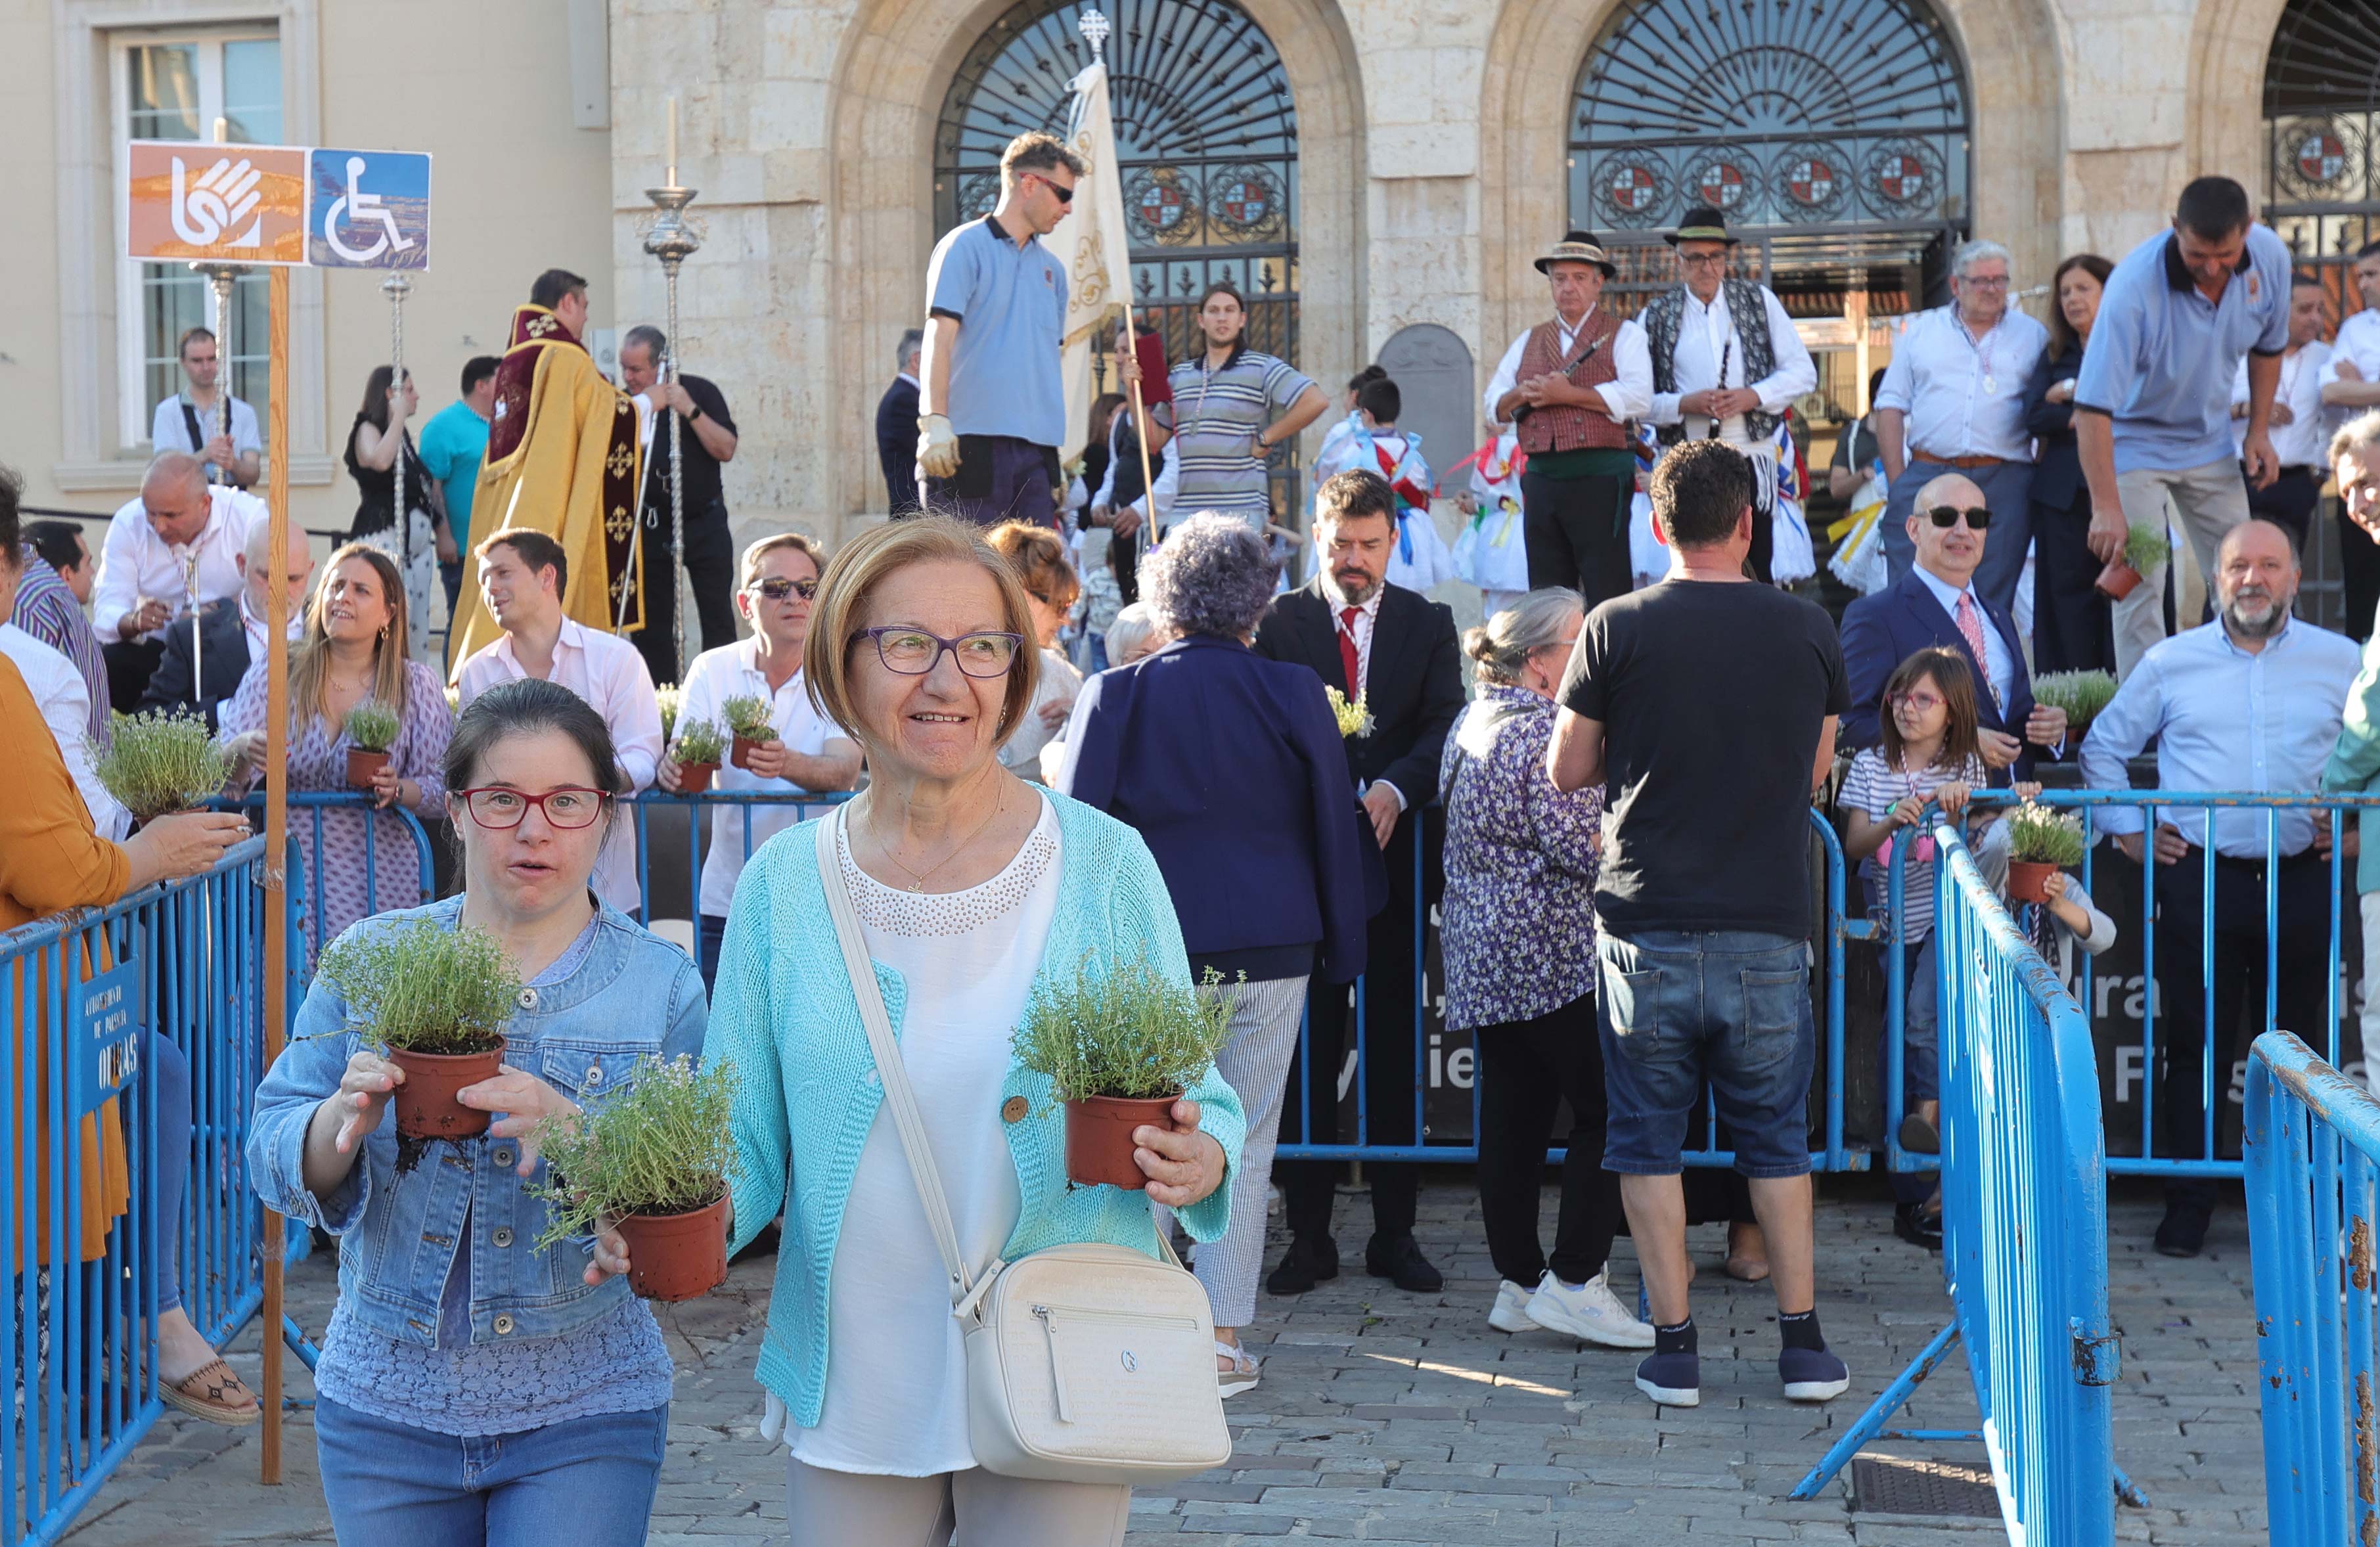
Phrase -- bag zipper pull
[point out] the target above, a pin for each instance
(1057, 1369)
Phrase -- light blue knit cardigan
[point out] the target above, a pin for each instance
(807, 1093)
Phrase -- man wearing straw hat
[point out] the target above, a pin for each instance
(1726, 359)
(1570, 385)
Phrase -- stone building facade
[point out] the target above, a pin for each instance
(1395, 161)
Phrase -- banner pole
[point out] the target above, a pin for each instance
(276, 818)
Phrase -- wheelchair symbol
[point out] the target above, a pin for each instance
(359, 208)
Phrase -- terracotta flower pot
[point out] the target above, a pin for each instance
(1099, 1137)
(693, 778)
(2026, 879)
(741, 753)
(426, 1107)
(2117, 580)
(676, 1257)
(362, 765)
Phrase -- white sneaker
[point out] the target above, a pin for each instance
(1512, 1312)
(1590, 1313)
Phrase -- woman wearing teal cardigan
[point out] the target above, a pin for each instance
(974, 890)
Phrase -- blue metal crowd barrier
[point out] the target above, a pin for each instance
(2312, 1154)
(2218, 1066)
(2024, 1227)
(180, 963)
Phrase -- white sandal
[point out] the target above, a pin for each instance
(1245, 1371)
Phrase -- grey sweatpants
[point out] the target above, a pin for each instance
(1255, 1063)
(856, 1509)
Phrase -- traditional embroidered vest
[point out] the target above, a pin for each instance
(1566, 426)
(1745, 308)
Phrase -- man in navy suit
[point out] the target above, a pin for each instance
(1395, 649)
(1937, 603)
(896, 427)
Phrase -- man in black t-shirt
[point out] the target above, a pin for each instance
(705, 439)
(1705, 705)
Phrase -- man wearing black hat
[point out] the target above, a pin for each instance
(1569, 386)
(1726, 359)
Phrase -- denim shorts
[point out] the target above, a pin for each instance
(1730, 1007)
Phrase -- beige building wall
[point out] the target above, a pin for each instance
(1433, 158)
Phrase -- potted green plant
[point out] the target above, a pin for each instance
(157, 762)
(2144, 548)
(2080, 694)
(672, 698)
(700, 744)
(1119, 1047)
(751, 721)
(435, 1001)
(373, 727)
(2041, 840)
(653, 1163)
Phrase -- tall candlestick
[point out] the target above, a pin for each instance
(222, 131)
(672, 142)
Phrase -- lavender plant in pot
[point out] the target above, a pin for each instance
(1119, 1047)
(436, 1001)
(157, 762)
(2040, 840)
(2144, 548)
(697, 753)
(653, 1161)
(751, 721)
(372, 726)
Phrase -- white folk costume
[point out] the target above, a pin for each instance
(1420, 558)
(1490, 552)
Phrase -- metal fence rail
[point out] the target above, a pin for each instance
(2129, 1060)
(98, 1000)
(2024, 1226)
(2312, 1154)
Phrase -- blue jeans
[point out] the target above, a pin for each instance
(1730, 1008)
(173, 1087)
(587, 1482)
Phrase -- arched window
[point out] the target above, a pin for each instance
(2322, 103)
(1832, 133)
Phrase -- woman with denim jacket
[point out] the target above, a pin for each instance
(472, 1388)
(974, 890)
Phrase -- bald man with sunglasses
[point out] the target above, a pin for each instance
(1937, 603)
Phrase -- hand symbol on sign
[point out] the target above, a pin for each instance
(225, 195)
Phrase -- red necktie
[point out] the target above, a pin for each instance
(1348, 658)
(1971, 628)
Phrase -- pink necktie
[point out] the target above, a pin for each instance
(1971, 627)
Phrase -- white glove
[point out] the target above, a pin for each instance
(937, 446)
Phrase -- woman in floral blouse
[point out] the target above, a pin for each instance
(1519, 934)
(354, 648)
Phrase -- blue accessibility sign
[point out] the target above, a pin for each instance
(366, 210)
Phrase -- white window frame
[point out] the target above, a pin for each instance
(92, 456)
(135, 413)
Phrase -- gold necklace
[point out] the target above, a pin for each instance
(918, 878)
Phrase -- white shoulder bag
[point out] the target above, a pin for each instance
(1086, 1363)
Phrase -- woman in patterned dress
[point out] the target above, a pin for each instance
(354, 650)
(1519, 937)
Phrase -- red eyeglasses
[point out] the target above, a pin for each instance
(500, 808)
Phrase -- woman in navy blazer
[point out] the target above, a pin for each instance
(1232, 768)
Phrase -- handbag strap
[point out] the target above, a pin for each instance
(900, 1099)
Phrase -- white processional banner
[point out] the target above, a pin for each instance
(1093, 245)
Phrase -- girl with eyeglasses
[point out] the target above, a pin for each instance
(472, 1388)
(808, 753)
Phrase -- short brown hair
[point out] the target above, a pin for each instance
(1038, 556)
(190, 337)
(1957, 679)
(1037, 152)
(850, 581)
(799, 541)
(1353, 494)
(535, 548)
(1700, 490)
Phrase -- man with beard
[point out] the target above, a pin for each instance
(1393, 651)
(2250, 702)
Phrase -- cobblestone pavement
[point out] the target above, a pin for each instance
(1389, 1418)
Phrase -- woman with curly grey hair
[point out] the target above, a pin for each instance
(1232, 769)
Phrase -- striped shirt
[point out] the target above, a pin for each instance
(47, 609)
(1871, 788)
(1216, 416)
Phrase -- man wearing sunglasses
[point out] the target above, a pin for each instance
(1937, 603)
(991, 401)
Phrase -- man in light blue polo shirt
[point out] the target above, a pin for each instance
(992, 400)
(2153, 404)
